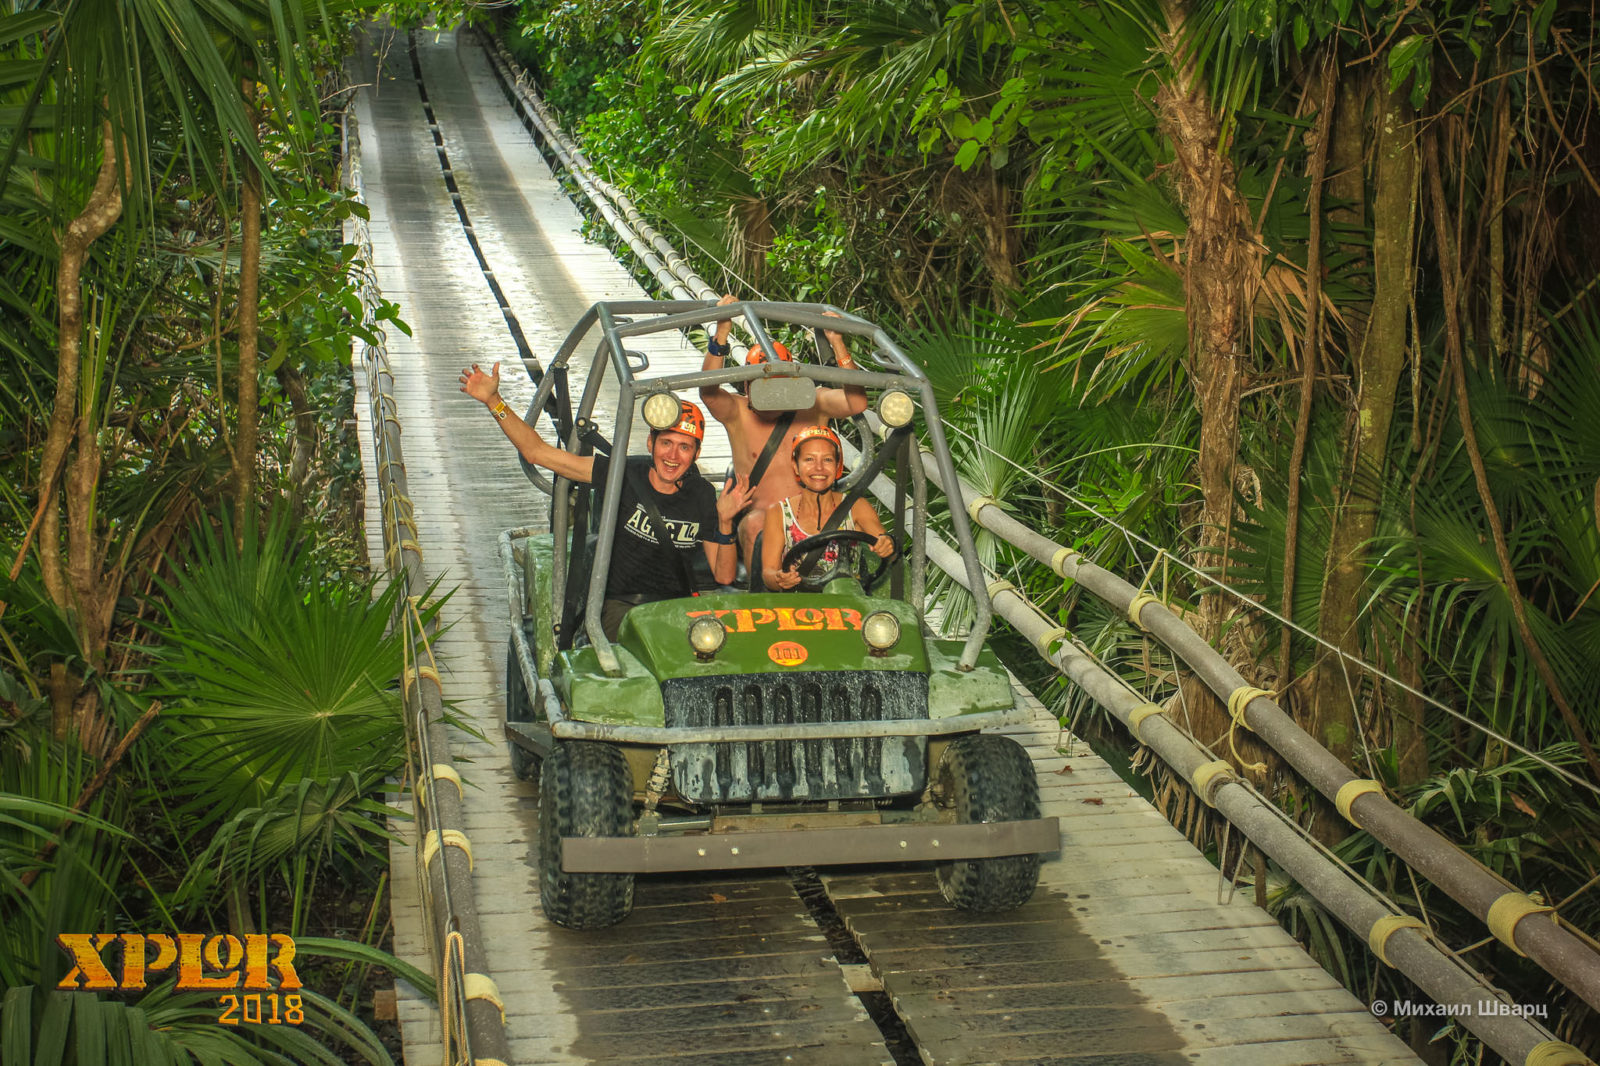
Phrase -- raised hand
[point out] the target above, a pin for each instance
(480, 386)
(735, 497)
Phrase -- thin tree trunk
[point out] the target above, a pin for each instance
(99, 214)
(1317, 169)
(244, 442)
(1378, 364)
(1450, 278)
(304, 442)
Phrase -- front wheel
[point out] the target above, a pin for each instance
(988, 778)
(585, 790)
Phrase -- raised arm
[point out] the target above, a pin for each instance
(721, 552)
(849, 400)
(485, 388)
(720, 400)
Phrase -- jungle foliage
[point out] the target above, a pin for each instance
(196, 713)
(1299, 292)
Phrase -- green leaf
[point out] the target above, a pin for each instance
(1302, 32)
(967, 154)
(960, 125)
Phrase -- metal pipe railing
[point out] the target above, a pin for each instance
(1398, 940)
(469, 1004)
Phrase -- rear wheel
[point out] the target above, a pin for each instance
(988, 778)
(585, 790)
(519, 708)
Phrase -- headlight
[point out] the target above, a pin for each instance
(706, 635)
(896, 408)
(881, 631)
(661, 410)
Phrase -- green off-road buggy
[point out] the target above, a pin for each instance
(739, 728)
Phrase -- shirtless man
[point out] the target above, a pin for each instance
(748, 430)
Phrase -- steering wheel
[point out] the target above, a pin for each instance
(818, 541)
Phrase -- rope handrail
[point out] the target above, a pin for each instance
(474, 1025)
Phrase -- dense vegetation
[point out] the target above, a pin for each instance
(196, 706)
(1300, 292)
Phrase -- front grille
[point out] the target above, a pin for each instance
(798, 769)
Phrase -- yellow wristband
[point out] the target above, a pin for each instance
(500, 410)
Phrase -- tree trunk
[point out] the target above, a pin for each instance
(1321, 134)
(1378, 363)
(244, 441)
(1221, 272)
(99, 214)
(304, 442)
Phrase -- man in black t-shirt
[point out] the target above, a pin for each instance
(643, 569)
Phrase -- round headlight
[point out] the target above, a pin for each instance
(706, 635)
(896, 408)
(881, 631)
(661, 410)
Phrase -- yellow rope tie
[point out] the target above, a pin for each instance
(1059, 561)
(1507, 911)
(445, 838)
(491, 1062)
(482, 986)
(1050, 641)
(439, 771)
(1139, 603)
(413, 673)
(1555, 1053)
(1386, 927)
(978, 503)
(1001, 585)
(1238, 700)
(397, 550)
(1138, 716)
(455, 950)
(1351, 791)
(1208, 777)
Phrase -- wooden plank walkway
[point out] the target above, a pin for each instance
(1124, 956)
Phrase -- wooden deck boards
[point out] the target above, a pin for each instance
(1124, 957)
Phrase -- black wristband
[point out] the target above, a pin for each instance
(713, 348)
(719, 537)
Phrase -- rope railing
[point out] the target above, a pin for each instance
(471, 1017)
(1399, 940)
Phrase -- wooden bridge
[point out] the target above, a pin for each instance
(1131, 952)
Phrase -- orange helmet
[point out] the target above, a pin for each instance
(817, 433)
(690, 421)
(758, 356)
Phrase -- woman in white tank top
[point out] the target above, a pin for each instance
(818, 462)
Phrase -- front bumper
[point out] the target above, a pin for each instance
(809, 847)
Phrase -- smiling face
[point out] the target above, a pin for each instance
(816, 465)
(671, 454)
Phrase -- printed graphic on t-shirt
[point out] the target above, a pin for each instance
(684, 534)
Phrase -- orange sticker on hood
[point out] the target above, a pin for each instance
(787, 653)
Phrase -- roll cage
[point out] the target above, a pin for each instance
(618, 322)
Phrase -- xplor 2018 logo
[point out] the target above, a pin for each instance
(206, 962)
